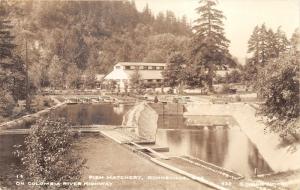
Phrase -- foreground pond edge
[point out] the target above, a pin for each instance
(34, 116)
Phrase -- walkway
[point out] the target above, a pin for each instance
(107, 158)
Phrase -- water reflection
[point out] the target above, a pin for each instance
(226, 147)
(88, 114)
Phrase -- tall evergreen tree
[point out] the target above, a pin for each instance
(7, 61)
(271, 44)
(6, 49)
(282, 43)
(254, 45)
(263, 45)
(209, 46)
(147, 16)
(259, 45)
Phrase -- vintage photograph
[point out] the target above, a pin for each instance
(149, 94)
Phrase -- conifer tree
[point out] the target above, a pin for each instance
(209, 46)
(8, 76)
(282, 43)
(254, 45)
(264, 45)
(6, 48)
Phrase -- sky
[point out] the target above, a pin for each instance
(241, 17)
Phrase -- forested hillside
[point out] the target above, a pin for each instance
(69, 39)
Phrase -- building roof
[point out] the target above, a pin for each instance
(126, 74)
(140, 63)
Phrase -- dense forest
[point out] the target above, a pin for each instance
(68, 39)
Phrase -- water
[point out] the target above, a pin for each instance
(77, 114)
(227, 147)
(98, 114)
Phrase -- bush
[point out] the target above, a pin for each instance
(238, 98)
(170, 91)
(279, 86)
(48, 154)
(46, 103)
(225, 89)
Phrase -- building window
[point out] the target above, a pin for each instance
(158, 80)
(145, 67)
(149, 80)
(162, 67)
(118, 67)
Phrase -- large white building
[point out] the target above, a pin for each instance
(150, 73)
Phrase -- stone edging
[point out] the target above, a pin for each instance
(189, 175)
(222, 172)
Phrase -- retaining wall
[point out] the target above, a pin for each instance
(168, 109)
(144, 119)
(268, 144)
(27, 120)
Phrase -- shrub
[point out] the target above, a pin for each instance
(238, 98)
(279, 86)
(170, 91)
(225, 89)
(7, 104)
(48, 154)
(47, 103)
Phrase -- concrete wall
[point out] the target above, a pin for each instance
(144, 119)
(147, 123)
(268, 144)
(168, 109)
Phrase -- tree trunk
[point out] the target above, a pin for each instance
(27, 80)
(210, 79)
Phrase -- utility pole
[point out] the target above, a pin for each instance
(27, 78)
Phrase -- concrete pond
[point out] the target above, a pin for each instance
(216, 142)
